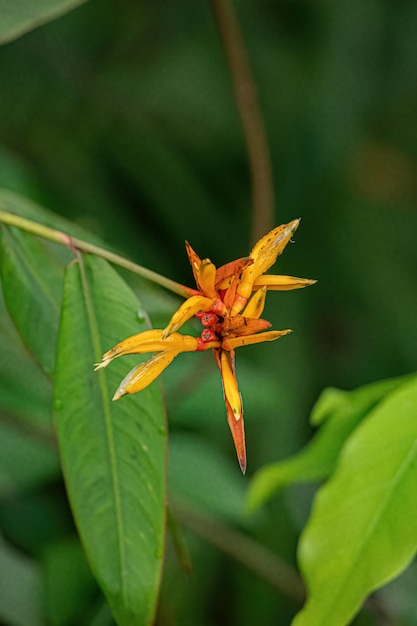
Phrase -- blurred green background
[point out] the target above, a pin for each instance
(121, 117)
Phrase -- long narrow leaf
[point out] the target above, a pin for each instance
(113, 453)
(20, 16)
(362, 531)
(25, 392)
(338, 413)
(32, 286)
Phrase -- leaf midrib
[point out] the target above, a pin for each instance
(95, 338)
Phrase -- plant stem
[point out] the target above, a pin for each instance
(242, 548)
(74, 244)
(250, 114)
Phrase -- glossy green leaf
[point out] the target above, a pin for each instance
(21, 16)
(339, 412)
(361, 533)
(32, 285)
(113, 453)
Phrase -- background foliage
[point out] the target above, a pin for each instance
(120, 117)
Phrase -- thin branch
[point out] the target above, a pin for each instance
(242, 548)
(250, 114)
(57, 236)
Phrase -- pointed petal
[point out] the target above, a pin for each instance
(264, 254)
(230, 388)
(144, 374)
(237, 429)
(206, 278)
(225, 273)
(252, 326)
(281, 283)
(240, 325)
(236, 342)
(236, 425)
(229, 296)
(266, 251)
(194, 259)
(256, 304)
(186, 311)
(149, 341)
(129, 346)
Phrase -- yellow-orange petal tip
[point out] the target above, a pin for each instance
(99, 366)
(119, 394)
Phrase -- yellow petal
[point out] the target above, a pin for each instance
(206, 278)
(281, 283)
(229, 296)
(266, 251)
(149, 341)
(144, 374)
(239, 301)
(256, 304)
(230, 387)
(240, 325)
(226, 273)
(264, 254)
(236, 342)
(188, 308)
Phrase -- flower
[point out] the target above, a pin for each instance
(229, 302)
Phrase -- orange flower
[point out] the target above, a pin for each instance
(229, 302)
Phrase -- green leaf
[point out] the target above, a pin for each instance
(28, 451)
(21, 16)
(113, 453)
(361, 533)
(25, 391)
(32, 286)
(339, 412)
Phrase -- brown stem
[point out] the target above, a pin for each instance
(253, 126)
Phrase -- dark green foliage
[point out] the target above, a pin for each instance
(120, 118)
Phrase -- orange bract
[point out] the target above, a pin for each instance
(230, 317)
